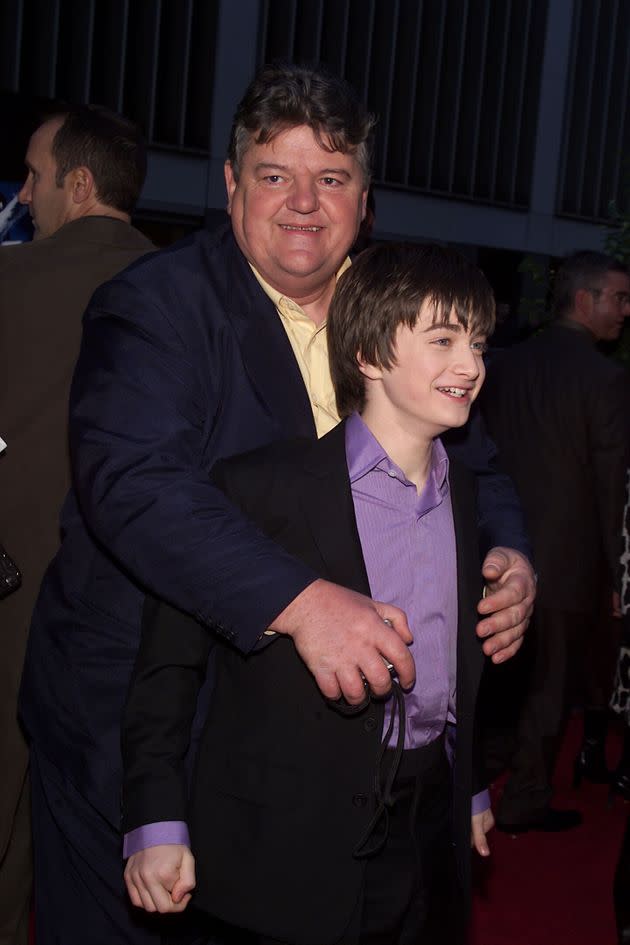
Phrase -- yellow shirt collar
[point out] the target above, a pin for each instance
(283, 301)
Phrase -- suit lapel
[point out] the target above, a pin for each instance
(327, 505)
(470, 656)
(266, 350)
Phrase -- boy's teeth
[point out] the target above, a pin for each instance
(456, 391)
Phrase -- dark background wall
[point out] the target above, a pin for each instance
(503, 124)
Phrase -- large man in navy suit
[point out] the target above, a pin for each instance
(214, 347)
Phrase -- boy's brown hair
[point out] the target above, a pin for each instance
(386, 286)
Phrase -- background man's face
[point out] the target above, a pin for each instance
(296, 210)
(50, 206)
(611, 305)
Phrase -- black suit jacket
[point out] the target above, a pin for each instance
(284, 783)
(559, 411)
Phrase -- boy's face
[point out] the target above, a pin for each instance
(438, 373)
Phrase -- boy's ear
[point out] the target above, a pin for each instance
(372, 371)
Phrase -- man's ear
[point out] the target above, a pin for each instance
(230, 183)
(81, 182)
(583, 302)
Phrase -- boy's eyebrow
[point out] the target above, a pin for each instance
(440, 326)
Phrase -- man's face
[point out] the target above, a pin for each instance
(296, 210)
(438, 373)
(611, 305)
(50, 206)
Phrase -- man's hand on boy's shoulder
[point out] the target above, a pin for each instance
(161, 878)
(343, 638)
(507, 608)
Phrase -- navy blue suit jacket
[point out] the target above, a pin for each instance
(184, 361)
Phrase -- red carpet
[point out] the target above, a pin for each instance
(546, 889)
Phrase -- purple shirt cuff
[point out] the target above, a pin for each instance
(152, 835)
(481, 802)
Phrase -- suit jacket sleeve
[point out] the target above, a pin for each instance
(168, 674)
(169, 671)
(500, 516)
(610, 439)
(139, 408)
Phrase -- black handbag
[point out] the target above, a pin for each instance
(10, 577)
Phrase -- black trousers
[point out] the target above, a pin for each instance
(410, 894)
(15, 875)
(571, 663)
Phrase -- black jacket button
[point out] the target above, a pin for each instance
(359, 800)
(370, 724)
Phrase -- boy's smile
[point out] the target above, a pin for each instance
(457, 392)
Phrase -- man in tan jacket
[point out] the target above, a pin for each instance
(86, 168)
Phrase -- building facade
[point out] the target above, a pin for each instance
(503, 124)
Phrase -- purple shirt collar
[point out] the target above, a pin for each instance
(364, 453)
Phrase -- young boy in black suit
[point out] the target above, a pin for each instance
(310, 822)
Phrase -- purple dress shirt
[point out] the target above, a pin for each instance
(408, 544)
(420, 576)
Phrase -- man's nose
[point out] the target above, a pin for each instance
(303, 196)
(24, 194)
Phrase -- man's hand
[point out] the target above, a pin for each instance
(161, 878)
(341, 634)
(512, 584)
(481, 824)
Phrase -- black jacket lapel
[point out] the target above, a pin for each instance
(329, 510)
(469, 582)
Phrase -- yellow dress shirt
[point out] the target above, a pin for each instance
(308, 342)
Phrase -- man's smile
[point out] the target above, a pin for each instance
(296, 228)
